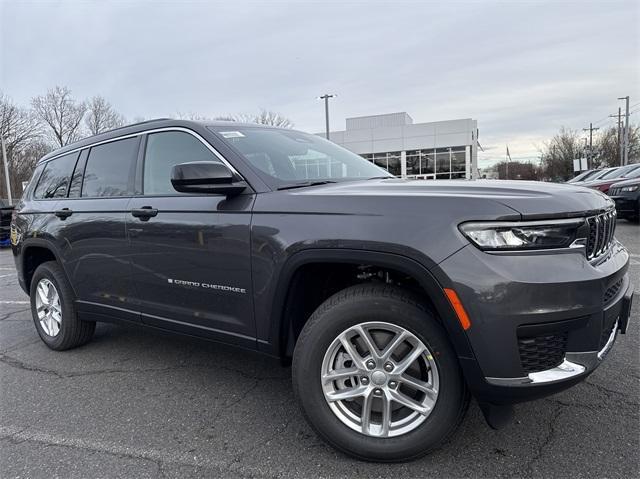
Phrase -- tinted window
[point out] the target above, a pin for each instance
(164, 151)
(55, 178)
(110, 169)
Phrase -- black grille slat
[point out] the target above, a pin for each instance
(612, 292)
(542, 352)
(601, 232)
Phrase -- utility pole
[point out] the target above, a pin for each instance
(620, 156)
(326, 97)
(590, 130)
(6, 170)
(625, 160)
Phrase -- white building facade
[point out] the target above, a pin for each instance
(435, 150)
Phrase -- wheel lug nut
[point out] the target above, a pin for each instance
(371, 364)
(364, 380)
(392, 384)
(377, 392)
(388, 367)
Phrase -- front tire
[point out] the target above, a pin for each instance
(376, 376)
(53, 311)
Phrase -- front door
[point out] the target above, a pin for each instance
(190, 253)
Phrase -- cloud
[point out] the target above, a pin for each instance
(522, 69)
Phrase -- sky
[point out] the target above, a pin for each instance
(522, 69)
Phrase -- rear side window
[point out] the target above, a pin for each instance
(163, 152)
(55, 178)
(32, 182)
(110, 169)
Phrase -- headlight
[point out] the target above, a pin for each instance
(527, 235)
(629, 188)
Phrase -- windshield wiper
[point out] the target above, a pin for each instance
(380, 177)
(304, 184)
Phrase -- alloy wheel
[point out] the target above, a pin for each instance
(380, 379)
(48, 307)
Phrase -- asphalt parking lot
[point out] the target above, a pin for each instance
(138, 403)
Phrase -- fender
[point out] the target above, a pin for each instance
(30, 243)
(425, 278)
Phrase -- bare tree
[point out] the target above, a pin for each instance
(191, 116)
(18, 125)
(264, 117)
(61, 114)
(20, 129)
(101, 116)
(559, 152)
(607, 149)
(23, 162)
(518, 170)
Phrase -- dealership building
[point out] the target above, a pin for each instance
(435, 150)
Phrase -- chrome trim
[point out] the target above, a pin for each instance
(494, 224)
(607, 347)
(566, 370)
(574, 364)
(146, 132)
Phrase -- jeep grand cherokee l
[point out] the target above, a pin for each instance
(395, 299)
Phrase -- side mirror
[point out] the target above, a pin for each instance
(205, 177)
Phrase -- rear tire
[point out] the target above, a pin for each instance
(384, 313)
(53, 310)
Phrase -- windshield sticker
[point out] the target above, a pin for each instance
(231, 134)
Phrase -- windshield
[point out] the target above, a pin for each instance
(582, 176)
(619, 172)
(288, 157)
(601, 173)
(634, 174)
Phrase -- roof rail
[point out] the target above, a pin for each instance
(134, 124)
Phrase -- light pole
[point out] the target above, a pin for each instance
(6, 170)
(326, 97)
(625, 158)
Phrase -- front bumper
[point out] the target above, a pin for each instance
(525, 306)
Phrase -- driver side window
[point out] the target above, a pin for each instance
(165, 150)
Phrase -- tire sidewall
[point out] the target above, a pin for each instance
(52, 272)
(326, 325)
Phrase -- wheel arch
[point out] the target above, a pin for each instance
(36, 251)
(282, 333)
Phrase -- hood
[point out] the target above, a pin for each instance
(529, 198)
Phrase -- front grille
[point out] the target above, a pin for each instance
(542, 352)
(612, 291)
(614, 191)
(601, 230)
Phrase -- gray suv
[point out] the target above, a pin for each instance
(395, 300)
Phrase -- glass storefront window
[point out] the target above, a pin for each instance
(441, 163)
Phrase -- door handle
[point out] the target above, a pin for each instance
(64, 213)
(144, 213)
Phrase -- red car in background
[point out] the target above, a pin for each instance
(614, 176)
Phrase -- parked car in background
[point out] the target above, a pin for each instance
(618, 174)
(583, 176)
(5, 221)
(626, 194)
(596, 176)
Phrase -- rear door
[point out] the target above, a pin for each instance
(92, 232)
(190, 253)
